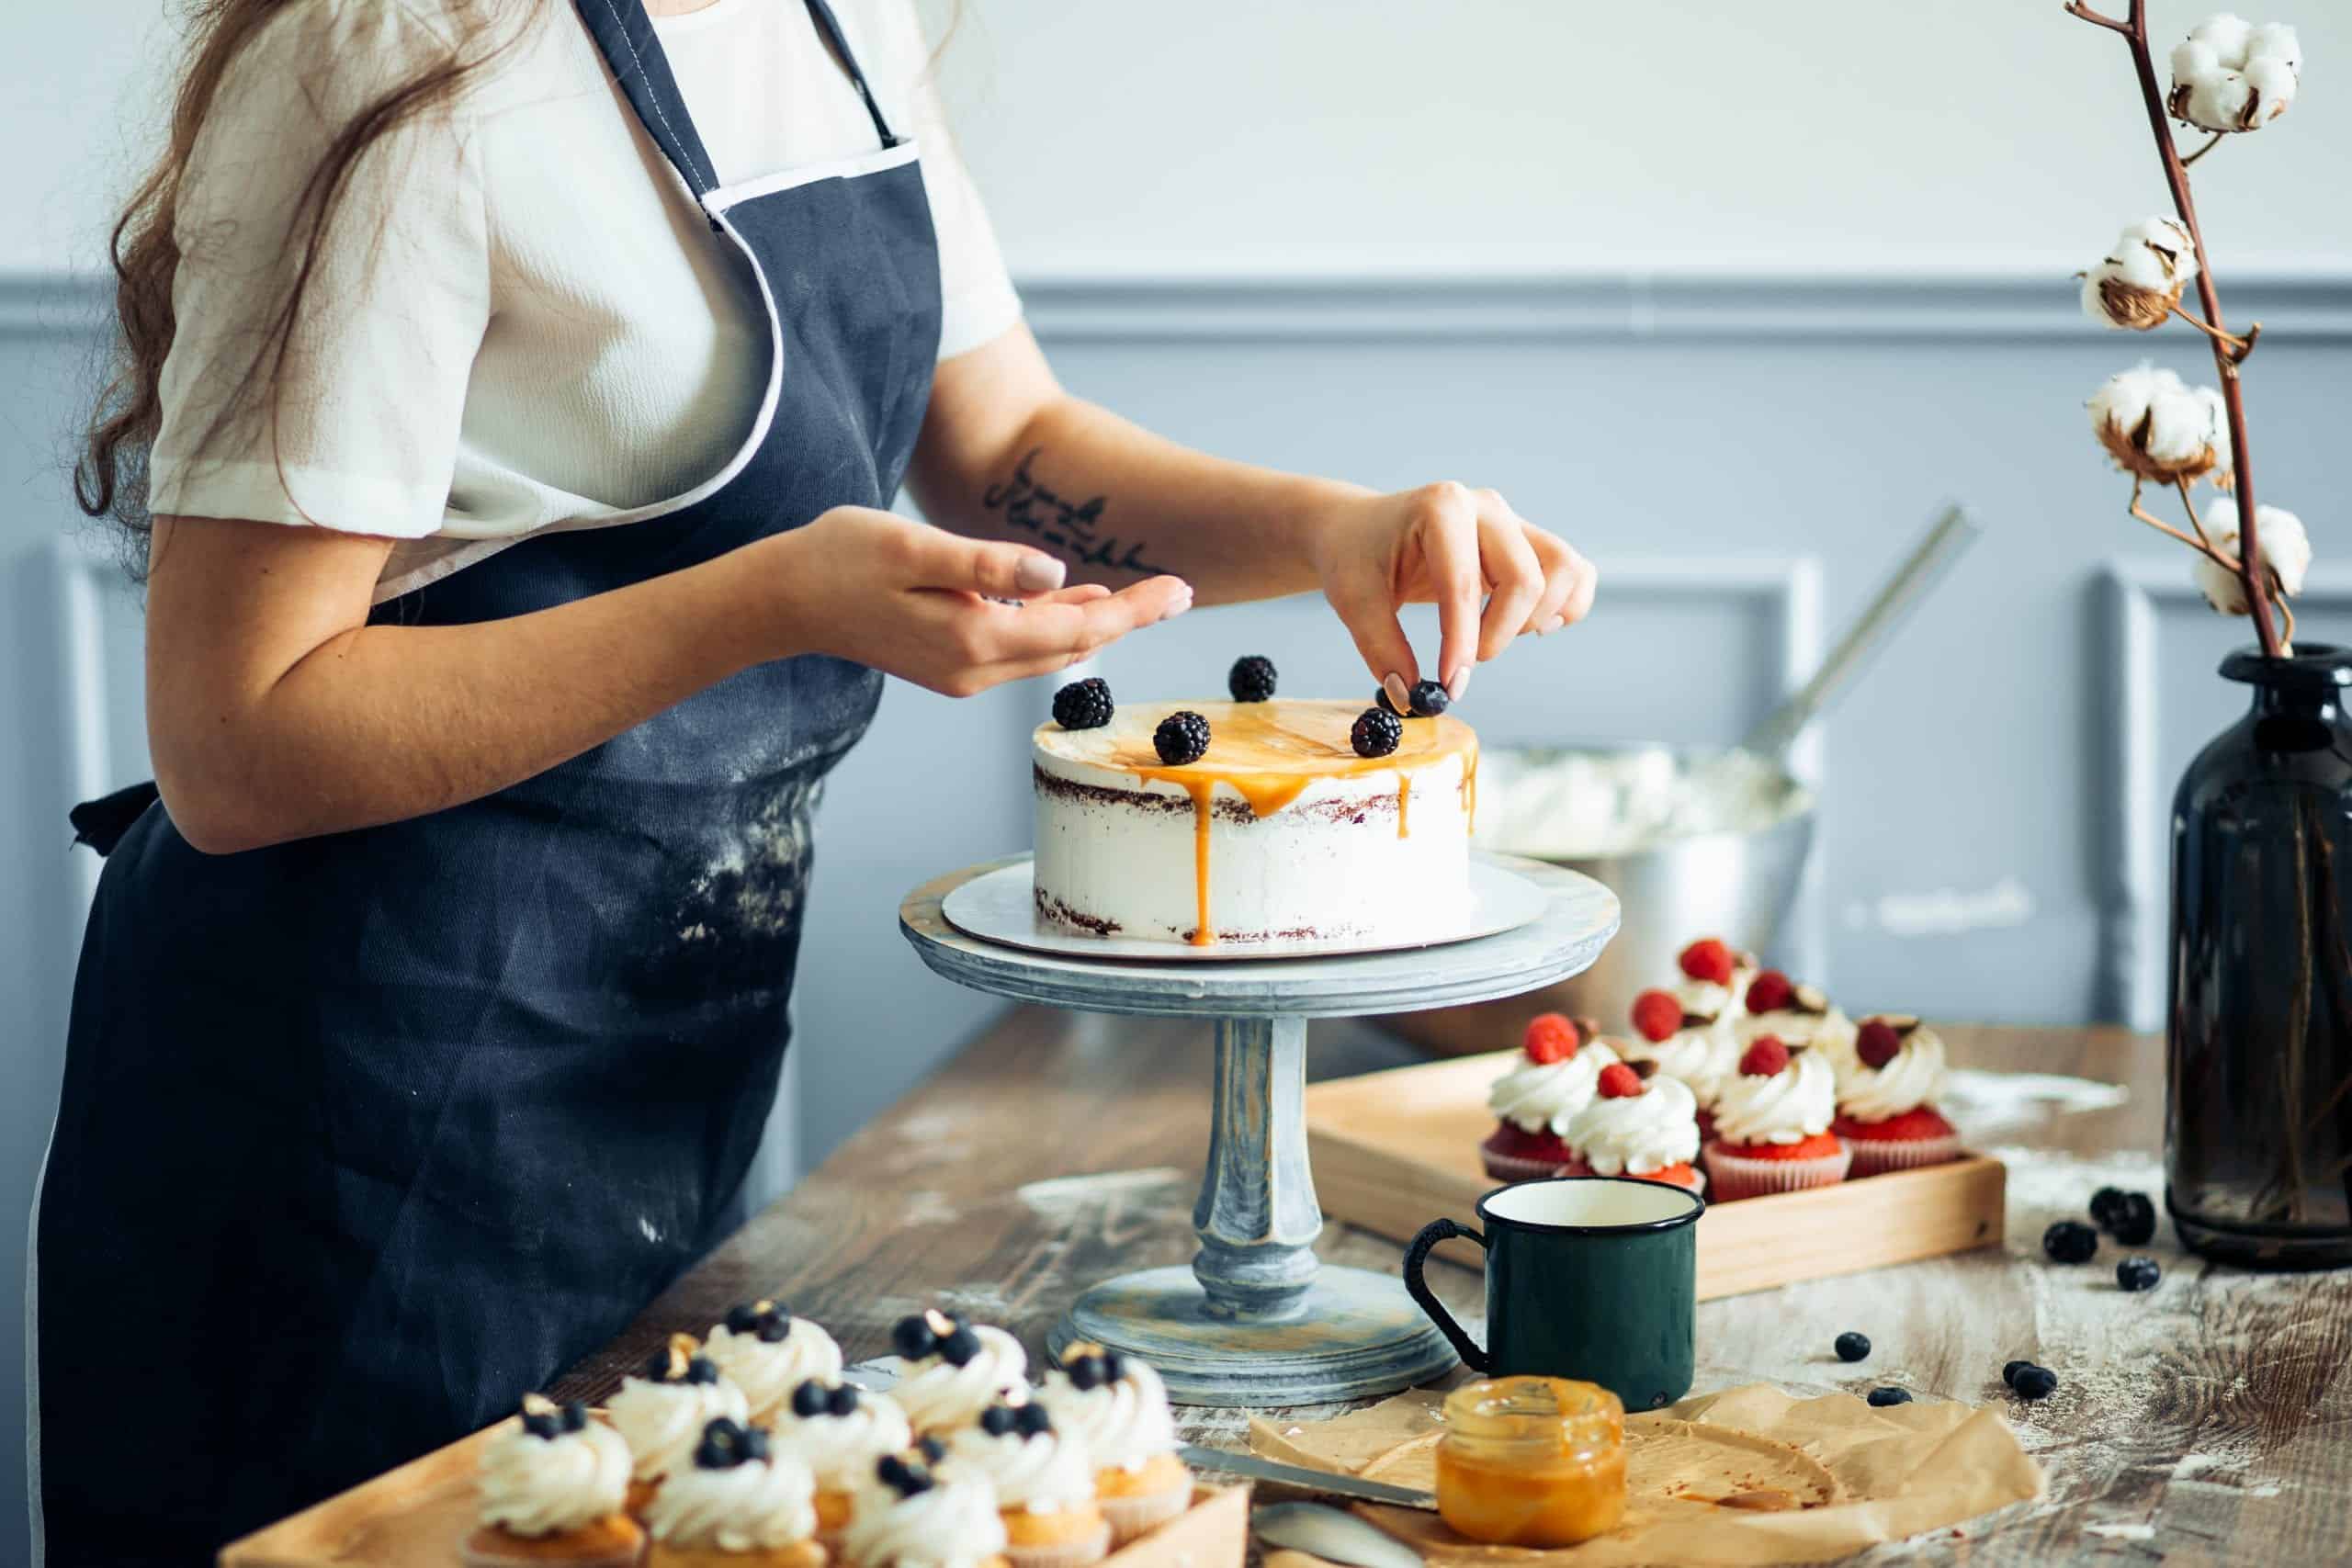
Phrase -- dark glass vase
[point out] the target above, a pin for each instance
(2258, 1083)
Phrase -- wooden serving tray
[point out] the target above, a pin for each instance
(1393, 1151)
(416, 1516)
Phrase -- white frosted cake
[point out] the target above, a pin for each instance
(1280, 832)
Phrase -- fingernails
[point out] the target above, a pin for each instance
(1459, 683)
(1181, 604)
(1400, 697)
(1038, 574)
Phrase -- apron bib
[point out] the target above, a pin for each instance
(363, 1135)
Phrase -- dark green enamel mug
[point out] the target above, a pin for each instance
(1588, 1276)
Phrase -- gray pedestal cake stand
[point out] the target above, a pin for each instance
(1256, 1320)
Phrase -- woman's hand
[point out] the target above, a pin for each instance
(932, 607)
(1455, 546)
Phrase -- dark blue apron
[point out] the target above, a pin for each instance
(363, 1135)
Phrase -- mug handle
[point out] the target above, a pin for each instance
(1416, 1255)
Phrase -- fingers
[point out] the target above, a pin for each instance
(1558, 563)
(1369, 611)
(1514, 576)
(1069, 625)
(1446, 528)
(941, 559)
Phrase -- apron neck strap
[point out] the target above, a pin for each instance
(625, 34)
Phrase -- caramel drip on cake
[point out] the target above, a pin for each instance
(1204, 793)
(1404, 799)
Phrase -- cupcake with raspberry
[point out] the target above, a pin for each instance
(1533, 1103)
(955, 1369)
(840, 1432)
(1637, 1126)
(1798, 1016)
(663, 1414)
(1886, 1095)
(738, 1505)
(1772, 1124)
(1118, 1407)
(1686, 1033)
(765, 1351)
(554, 1490)
(1044, 1482)
(912, 1515)
(1715, 978)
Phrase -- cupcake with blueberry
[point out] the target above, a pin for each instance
(953, 1370)
(839, 1432)
(1533, 1103)
(554, 1490)
(1797, 1015)
(765, 1351)
(663, 1412)
(1117, 1406)
(1885, 1098)
(1687, 1035)
(738, 1505)
(1644, 1125)
(913, 1516)
(1044, 1482)
(1772, 1124)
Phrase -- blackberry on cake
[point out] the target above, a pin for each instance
(1181, 737)
(1376, 734)
(1251, 679)
(1083, 704)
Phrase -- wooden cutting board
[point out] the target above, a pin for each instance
(1393, 1151)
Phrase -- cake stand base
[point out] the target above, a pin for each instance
(1355, 1336)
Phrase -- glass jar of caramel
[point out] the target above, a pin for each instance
(1531, 1461)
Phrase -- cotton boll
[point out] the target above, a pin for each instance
(2285, 551)
(2121, 401)
(2273, 85)
(2220, 102)
(2226, 35)
(2191, 59)
(2156, 425)
(2275, 41)
(2168, 242)
(2137, 287)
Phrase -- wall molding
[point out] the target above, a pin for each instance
(2310, 307)
(2136, 901)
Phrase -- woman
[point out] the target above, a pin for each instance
(524, 385)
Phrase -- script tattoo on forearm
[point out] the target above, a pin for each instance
(1071, 530)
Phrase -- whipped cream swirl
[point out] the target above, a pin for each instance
(1912, 1078)
(1044, 1474)
(537, 1486)
(1706, 999)
(767, 1373)
(1539, 1096)
(1639, 1134)
(1829, 1031)
(953, 1525)
(663, 1421)
(750, 1507)
(1125, 1424)
(1697, 1058)
(1791, 1106)
(841, 1450)
(935, 1394)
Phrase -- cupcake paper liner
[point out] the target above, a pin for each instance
(1518, 1167)
(1875, 1157)
(1732, 1176)
(1132, 1517)
(1067, 1553)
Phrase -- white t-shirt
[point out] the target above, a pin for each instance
(522, 320)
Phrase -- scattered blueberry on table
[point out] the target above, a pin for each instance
(2009, 1371)
(2138, 1274)
(1852, 1346)
(2128, 1217)
(2070, 1241)
(2033, 1383)
(1882, 1398)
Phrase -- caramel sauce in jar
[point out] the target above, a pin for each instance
(1531, 1461)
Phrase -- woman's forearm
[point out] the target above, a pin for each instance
(1007, 454)
(377, 723)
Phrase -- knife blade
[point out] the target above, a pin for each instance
(1311, 1480)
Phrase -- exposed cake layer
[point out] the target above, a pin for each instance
(1281, 831)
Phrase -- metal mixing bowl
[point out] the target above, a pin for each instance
(1695, 843)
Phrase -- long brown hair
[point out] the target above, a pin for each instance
(110, 474)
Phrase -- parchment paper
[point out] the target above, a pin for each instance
(1833, 1474)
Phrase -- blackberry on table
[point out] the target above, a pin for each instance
(1251, 679)
(2009, 1371)
(1182, 736)
(2135, 1222)
(1083, 704)
(2070, 1241)
(2034, 1383)
(1376, 733)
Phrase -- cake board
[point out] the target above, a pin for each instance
(1256, 1320)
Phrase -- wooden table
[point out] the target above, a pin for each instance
(2208, 1422)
